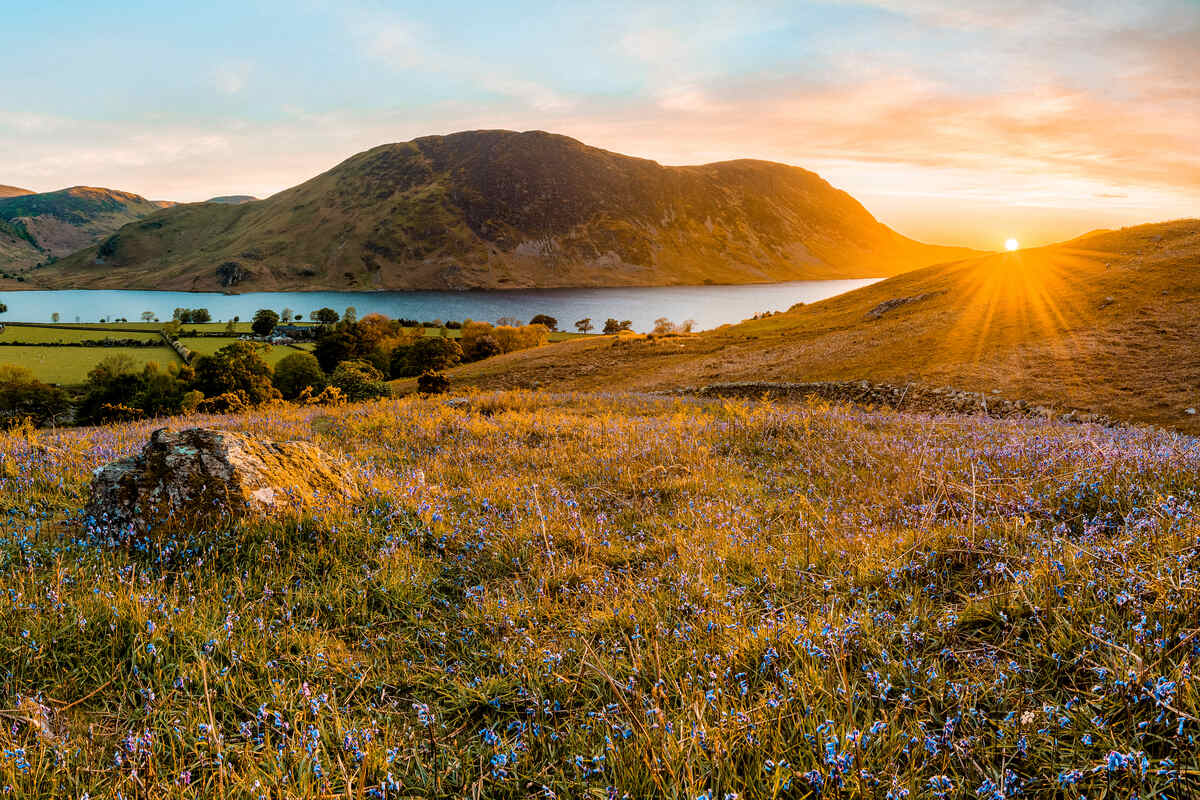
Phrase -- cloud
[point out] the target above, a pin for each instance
(231, 78)
(405, 46)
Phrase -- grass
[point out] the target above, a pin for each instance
(207, 345)
(1106, 324)
(70, 365)
(57, 333)
(619, 595)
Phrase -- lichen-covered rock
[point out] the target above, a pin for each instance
(199, 476)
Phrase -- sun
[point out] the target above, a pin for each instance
(1012, 244)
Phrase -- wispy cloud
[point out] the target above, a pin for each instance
(231, 78)
(404, 45)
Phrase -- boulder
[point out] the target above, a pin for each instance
(199, 476)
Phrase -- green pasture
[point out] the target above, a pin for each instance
(70, 365)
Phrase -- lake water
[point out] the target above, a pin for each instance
(709, 306)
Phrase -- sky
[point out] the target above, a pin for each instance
(955, 122)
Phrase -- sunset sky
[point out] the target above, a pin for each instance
(965, 122)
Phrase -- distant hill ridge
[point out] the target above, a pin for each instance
(232, 199)
(35, 227)
(500, 209)
(12, 191)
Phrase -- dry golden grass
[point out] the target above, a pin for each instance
(1105, 323)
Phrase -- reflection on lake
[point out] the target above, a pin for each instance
(709, 306)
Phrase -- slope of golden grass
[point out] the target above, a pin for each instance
(1108, 323)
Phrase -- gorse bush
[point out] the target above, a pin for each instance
(619, 596)
(359, 380)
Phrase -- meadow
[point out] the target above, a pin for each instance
(619, 596)
(272, 354)
(69, 366)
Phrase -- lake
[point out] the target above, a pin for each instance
(709, 306)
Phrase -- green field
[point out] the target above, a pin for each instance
(207, 345)
(21, 333)
(70, 365)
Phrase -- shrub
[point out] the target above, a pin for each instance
(511, 339)
(24, 397)
(224, 403)
(359, 380)
(297, 372)
(483, 347)
(431, 382)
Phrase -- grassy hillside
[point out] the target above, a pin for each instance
(498, 209)
(1106, 323)
(570, 596)
(12, 191)
(37, 227)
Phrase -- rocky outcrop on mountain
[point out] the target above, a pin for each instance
(909, 397)
(200, 476)
(887, 305)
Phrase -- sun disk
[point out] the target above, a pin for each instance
(1011, 244)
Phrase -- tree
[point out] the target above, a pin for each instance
(350, 315)
(236, 368)
(584, 325)
(296, 372)
(611, 326)
(431, 382)
(55, 317)
(147, 316)
(264, 322)
(160, 393)
(663, 325)
(429, 353)
(285, 316)
(626, 324)
(3, 308)
(511, 322)
(109, 390)
(543, 319)
(522, 338)
(23, 396)
(484, 346)
(337, 345)
(359, 380)
(201, 315)
(325, 316)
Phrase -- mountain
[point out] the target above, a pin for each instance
(1105, 323)
(12, 191)
(232, 199)
(36, 227)
(499, 209)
